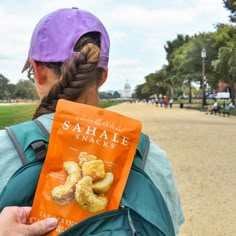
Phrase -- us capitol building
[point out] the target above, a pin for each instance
(125, 93)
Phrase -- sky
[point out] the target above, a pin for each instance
(138, 32)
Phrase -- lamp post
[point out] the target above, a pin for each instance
(203, 56)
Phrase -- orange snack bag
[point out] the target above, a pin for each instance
(89, 157)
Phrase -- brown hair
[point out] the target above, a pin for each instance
(75, 75)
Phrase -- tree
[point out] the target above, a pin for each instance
(225, 67)
(11, 90)
(105, 95)
(116, 95)
(231, 6)
(172, 46)
(155, 84)
(185, 63)
(3, 87)
(138, 92)
(25, 89)
(224, 36)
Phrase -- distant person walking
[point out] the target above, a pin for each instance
(156, 102)
(166, 101)
(161, 101)
(232, 104)
(171, 102)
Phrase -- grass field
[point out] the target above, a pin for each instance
(15, 113)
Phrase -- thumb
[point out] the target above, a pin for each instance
(44, 226)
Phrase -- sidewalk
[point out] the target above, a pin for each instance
(202, 151)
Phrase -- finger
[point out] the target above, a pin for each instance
(23, 214)
(27, 210)
(44, 226)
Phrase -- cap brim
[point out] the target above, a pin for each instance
(26, 66)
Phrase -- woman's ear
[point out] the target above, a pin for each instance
(40, 73)
(104, 77)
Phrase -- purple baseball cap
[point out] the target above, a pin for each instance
(56, 34)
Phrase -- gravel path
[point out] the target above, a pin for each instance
(202, 151)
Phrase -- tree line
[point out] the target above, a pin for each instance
(185, 64)
(23, 89)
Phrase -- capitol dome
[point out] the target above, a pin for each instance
(127, 90)
(127, 86)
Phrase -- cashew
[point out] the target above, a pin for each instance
(94, 168)
(86, 198)
(63, 194)
(84, 156)
(103, 185)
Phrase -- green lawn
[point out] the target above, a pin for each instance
(15, 113)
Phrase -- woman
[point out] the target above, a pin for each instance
(68, 58)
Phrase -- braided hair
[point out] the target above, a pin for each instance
(75, 75)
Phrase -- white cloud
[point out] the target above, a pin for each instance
(118, 36)
(125, 62)
(135, 16)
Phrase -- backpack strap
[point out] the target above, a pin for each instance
(40, 147)
(16, 145)
(41, 126)
(30, 139)
(142, 151)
